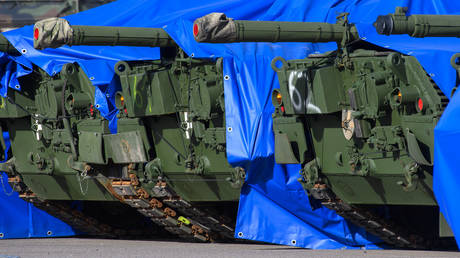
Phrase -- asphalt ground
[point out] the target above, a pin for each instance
(87, 247)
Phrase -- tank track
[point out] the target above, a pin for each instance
(391, 234)
(171, 212)
(73, 217)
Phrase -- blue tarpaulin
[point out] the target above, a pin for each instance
(273, 206)
(20, 219)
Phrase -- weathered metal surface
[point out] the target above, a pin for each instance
(126, 147)
(90, 147)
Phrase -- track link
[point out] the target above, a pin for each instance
(389, 233)
(73, 217)
(172, 213)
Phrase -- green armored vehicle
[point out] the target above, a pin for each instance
(41, 145)
(360, 121)
(168, 158)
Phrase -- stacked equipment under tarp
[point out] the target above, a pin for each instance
(273, 206)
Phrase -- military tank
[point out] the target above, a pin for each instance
(33, 117)
(167, 159)
(360, 121)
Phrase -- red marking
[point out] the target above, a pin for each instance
(195, 30)
(36, 34)
(282, 109)
(91, 110)
(420, 104)
(126, 111)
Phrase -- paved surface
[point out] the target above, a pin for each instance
(77, 247)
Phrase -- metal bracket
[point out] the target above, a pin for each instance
(411, 177)
(237, 178)
(8, 166)
(310, 174)
(414, 149)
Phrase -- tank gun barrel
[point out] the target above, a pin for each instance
(418, 25)
(6, 46)
(56, 32)
(218, 28)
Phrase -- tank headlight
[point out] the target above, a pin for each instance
(397, 97)
(277, 98)
(119, 100)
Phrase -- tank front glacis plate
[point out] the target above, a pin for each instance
(369, 121)
(44, 149)
(183, 131)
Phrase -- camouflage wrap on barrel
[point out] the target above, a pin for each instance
(216, 27)
(52, 32)
(56, 32)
